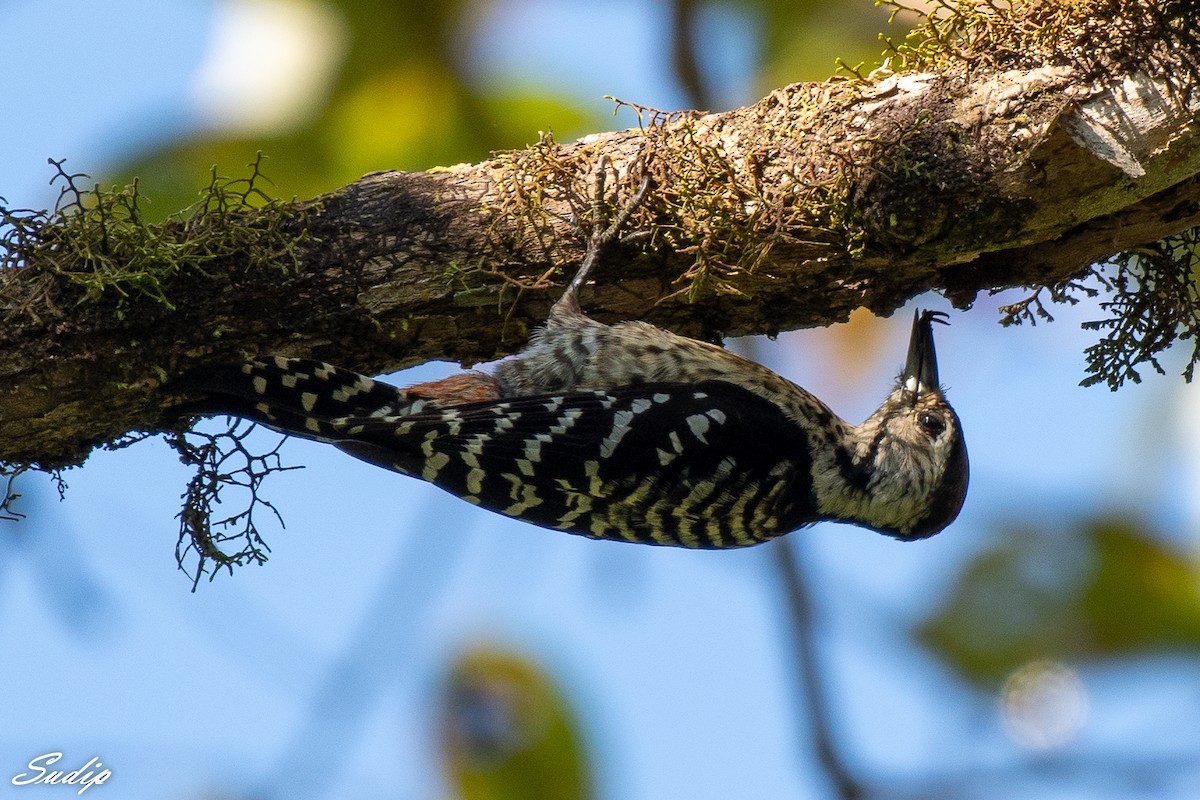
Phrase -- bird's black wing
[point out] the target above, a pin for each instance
(705, 465)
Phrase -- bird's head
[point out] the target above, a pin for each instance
(908, 468)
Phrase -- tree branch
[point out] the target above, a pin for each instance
(790, 212)
(811, 690)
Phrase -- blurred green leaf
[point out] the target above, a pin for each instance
(804, 39)
(507, 732)
(1102, 588)
(400, 101)
(401, 98)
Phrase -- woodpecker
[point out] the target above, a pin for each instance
(630, 432)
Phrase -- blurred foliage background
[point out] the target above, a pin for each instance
(1055, 645)
(386, 84)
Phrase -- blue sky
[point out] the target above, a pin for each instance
(312, 677)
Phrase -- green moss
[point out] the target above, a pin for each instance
(1099, 38)
(96, 247)
(706, 203)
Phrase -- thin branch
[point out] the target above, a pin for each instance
(684, 58)
(812, 696)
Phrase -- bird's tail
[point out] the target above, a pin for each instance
(298, 396)
(307, 398)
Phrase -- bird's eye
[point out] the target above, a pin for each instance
(932, 424)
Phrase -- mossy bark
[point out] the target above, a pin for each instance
(791, 212)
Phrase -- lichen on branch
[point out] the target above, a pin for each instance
(97, 248)
(1154, 303)
(223, 463)
(1099, 39)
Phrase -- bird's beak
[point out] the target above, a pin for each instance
(920, 371)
